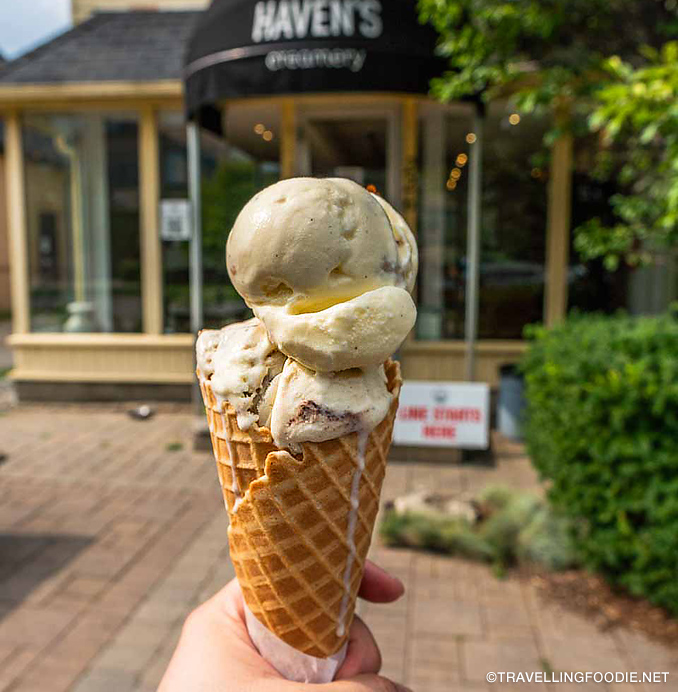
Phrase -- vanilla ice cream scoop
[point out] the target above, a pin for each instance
(241, 362)
(312, 406)
(268, 390)
(326, 266)
(310, 243)
(358, 333)
(408, 255)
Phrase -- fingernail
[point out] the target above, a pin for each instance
(401, 583)
(392, 576)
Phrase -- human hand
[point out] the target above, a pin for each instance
(215, 653)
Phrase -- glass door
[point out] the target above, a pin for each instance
(354, 142)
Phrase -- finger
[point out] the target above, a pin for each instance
(229, 600)
(378, 586)
(227, 610)
(362, 655)
(363, 683)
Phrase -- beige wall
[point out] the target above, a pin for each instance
(84, 8)
(168, 358)
(445, 360)
(4, 244)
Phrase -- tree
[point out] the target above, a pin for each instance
(607, 63)
(640, 107)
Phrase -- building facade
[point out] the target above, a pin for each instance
(95, 155)
(84, 9)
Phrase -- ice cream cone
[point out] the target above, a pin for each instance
(300, 527)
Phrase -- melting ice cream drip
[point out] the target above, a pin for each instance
(234, 484)
(363, 436)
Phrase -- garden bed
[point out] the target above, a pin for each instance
(591, 596)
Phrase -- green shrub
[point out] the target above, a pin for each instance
(495, 497)
(440, 535)
(519, 528)
(602, 427)
(502, 528)
(547, 541)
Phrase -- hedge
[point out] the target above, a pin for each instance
(602, 428)
(515, 528)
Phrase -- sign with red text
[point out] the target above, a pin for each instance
(443, 414)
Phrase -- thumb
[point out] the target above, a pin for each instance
(364, 683)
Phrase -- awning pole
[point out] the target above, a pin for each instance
(195, 254)
(473, 244)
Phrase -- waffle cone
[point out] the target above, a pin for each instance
(289, 533)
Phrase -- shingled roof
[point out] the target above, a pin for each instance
(135, 46)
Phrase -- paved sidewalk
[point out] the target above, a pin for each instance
(111, 530)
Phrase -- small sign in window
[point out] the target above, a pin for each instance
(175, 219)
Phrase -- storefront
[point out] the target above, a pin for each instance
(95, 158)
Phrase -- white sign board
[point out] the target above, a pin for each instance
(175, 219)
(443, 414)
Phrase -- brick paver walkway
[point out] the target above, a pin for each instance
(111, 530)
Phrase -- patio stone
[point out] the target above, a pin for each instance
(114, 540)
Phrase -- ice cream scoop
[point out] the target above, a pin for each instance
(408, 255)
(241, 362)
(314, 407)
(358, 333)
(310, 243)
(327, 272)
(268, 390)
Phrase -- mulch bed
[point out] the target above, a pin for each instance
(591, 596)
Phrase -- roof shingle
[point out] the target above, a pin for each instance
(135, 46)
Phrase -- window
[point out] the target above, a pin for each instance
(592, 288)
(514, 210)
(82, 212)
(444, 158)
(349, 142)
(234, 168)
(175, 253)
(513, 222)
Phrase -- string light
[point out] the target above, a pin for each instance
(451, 184)
(260, 128)
(268, 135)
(514, 118)
(455, 174)
(462, 159)
(471, 138)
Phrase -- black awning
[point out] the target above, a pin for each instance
(270, 47)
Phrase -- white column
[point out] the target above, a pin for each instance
(151, 251)
(96, 240)
(394, 141)
(558, 230)
(195, 250)
(17, 228)
(194, 187)
(473, 238)
(432, 231)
